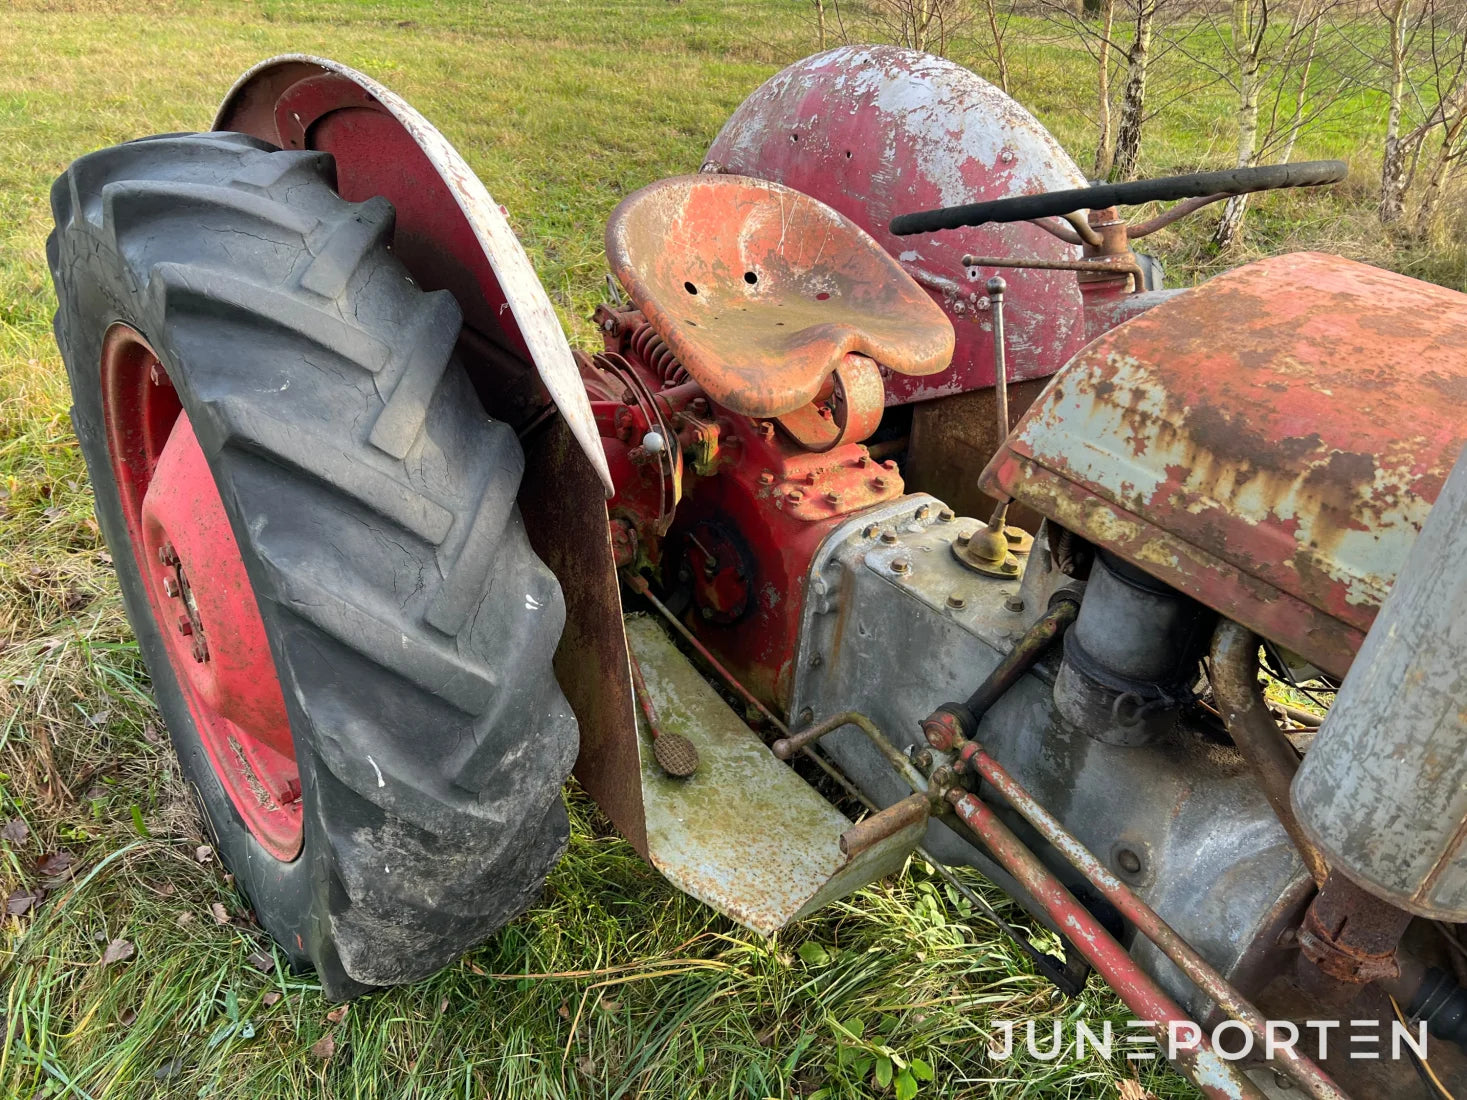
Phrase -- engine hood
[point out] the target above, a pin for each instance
(1269, 443)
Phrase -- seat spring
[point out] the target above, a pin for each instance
(653, 352)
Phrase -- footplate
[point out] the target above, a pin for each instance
(744, 833)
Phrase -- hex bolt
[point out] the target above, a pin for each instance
(1014, 604)
(863, 462)
(878, 483)
(766, 430)
(901, 566)
(1128, 861)
(795, 496)
(706, 612)
(166, 554)
(201, 651)
(924, 511)
(807, 716)
(889, 464)
(292, 791)
(957, 601)
(185, 625)
(923, 759)
(810, 479)
(870, 531)
(889, 537)
(170, 588)
(947, 515)
(832, 498)
(766, 478)
(816, 661)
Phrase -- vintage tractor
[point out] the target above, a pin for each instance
(400, 559)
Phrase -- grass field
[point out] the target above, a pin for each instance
(614, 985)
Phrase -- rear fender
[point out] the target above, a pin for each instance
(449, 232)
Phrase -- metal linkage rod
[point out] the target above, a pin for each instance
(1186, 1046)
(973, 759)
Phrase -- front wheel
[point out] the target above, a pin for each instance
(316, 536)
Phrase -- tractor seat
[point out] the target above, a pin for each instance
(760, 291)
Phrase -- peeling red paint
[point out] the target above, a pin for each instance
(877, 131)
(1269, 443)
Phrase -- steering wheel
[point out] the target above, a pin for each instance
(1199, 185)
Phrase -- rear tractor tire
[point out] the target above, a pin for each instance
(315, 532)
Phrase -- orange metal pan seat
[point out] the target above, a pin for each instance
(761, 291)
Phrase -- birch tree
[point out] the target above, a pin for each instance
(1126, 156)
(1426, 90)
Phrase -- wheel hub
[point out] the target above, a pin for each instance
(199, 592)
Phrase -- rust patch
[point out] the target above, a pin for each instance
(1277, 434)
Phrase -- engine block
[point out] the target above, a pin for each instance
(895, 626)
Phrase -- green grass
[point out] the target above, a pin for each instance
(615, 984)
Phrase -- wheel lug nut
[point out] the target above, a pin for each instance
(832, 498)
(167, 555)
(766, 478)
(957, 602)
(201, 651)
(185, 625)
(901, 565)
(888, 537)
(170, 588)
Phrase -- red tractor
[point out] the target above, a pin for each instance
(401, 560)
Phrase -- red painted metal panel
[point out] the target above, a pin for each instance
(1270, 442)
(877, 131)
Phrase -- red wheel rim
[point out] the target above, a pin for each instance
(198, 591)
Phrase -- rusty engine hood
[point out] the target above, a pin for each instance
(1269, 443)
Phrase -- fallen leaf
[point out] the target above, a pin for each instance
(261, 961)
(127, 1017)
(151, 734)
(204, 853)
(1133, 1090)
(99, 719)
(15, 831)
(55, 867)
(221, 914)
(443, 1006)
(23, 899)
(586, 1065)
(182, 919)
(171, 1068)
(337, 1014)
(324, 1047)
(564, 1010)
(608, 1005)
(118, 950)
(271, 997)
